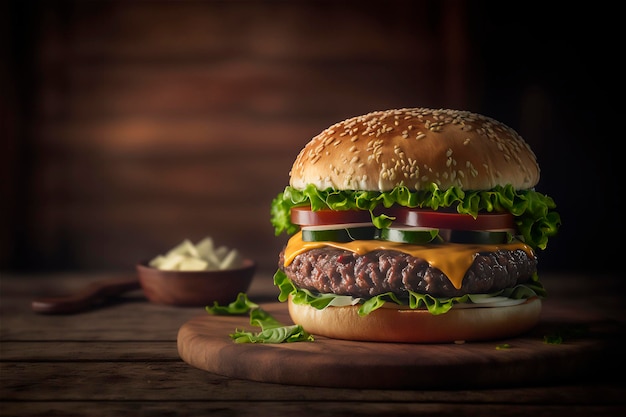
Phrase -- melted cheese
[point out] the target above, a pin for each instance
(453, 259)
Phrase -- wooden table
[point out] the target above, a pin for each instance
(122, 359)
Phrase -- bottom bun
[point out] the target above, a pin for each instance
(417, 326)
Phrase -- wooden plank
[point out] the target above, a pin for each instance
(262, 29)
(177, 381)
(130, 319)
(84, 351)
(221, 178)
(256, 90)
(134, 319)
(197, 137)
(300, 408)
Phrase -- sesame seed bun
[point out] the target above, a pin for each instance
(415, 147)
(418, 326)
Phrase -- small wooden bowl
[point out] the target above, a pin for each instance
(194, 288)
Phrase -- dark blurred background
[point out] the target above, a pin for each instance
(128, 126)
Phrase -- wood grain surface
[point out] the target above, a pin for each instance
(122, 359)
(204, 343)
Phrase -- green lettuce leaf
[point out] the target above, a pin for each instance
(272, 331)
(241, 305)
(534, 212)
(415, 300)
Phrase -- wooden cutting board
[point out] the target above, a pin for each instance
(204, 343)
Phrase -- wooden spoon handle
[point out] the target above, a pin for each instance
(88, 297)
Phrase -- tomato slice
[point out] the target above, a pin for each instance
(304, 216)
(414, 217)
(452, 220)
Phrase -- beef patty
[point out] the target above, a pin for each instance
(331, 270)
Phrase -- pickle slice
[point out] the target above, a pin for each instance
(422, 236)
(481, 237)
(339, 235)
(414, 237)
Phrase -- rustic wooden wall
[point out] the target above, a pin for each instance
(159, 121)
(136, 124)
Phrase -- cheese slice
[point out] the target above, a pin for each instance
(453, 259)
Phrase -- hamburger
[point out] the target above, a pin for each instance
(414, 225)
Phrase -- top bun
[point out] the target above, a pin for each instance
(415, 147)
